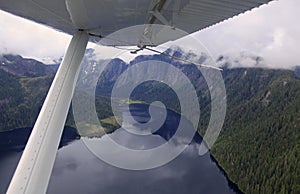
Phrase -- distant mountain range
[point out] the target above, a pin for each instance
(259, 143)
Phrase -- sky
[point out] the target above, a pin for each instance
(270, 31)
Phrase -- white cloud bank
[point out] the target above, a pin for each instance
(271, 31)
(20, 36)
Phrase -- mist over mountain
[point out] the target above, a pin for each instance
(241, 60)
(259, 144)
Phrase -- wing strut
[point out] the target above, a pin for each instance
(34, 169)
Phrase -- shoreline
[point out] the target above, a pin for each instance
(231, 184)
(234, 186)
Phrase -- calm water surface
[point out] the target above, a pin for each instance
(77, 170)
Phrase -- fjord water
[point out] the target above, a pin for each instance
(77, 170)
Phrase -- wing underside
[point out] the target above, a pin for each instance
(103, 17)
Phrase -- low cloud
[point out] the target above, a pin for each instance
(29, 39)
(270, 31)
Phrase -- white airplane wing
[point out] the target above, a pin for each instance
(103, 17)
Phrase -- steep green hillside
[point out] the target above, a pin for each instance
(21, 99)
(23, 86)
(259, 145)
(10, 98)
